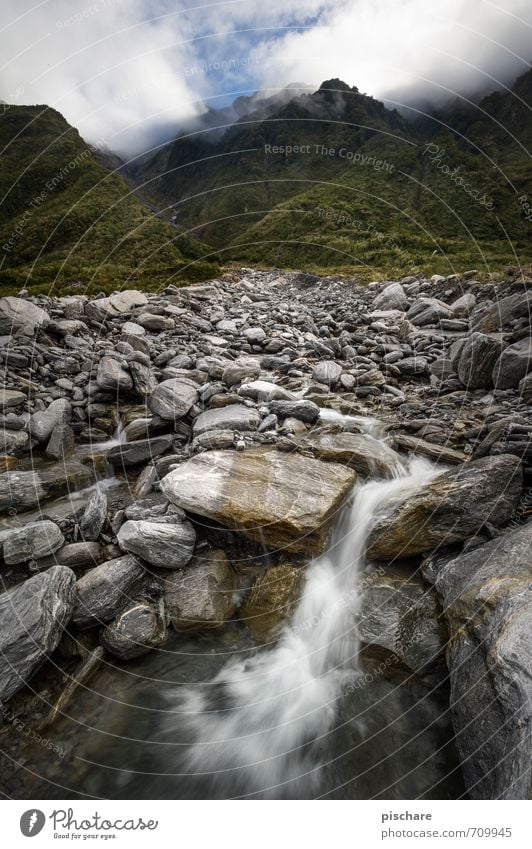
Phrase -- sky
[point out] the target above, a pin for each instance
(127, 73)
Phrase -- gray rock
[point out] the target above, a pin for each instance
(13, 441)
(262, 390)
(62, 442)
(136, 631)
(463, 307)
(10, 398)
(487, 601)
(43, 422)
(143, 380)
(233, 417)
(154, 322)
(244, 368)
(393, 297)
(255, 335)
(33, 541)
(172, 399)
(426, 311)
(79, 554)
(413, 366)
(449, 508)
(32, 618)
(169, 546)
(17, 315)
(106, 590)
(306, 411)
(478, 355)
(112, 376)
(115, 305)
(95, 514)
(203, 596)
(514, 364)
(502, 313)
(327, 372)
(140, 451)
(525, 388)
(361, 452)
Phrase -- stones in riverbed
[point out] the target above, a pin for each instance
(487, 601)
(327, 372)
(106, 589)
(514, 363)
(305, 411)
(203, 596)
(136, 631)
(10, 398)
(115, 305)
(359, 451)
(263, 390)
(62, 442)
(449, 508)
(112, 376)
(43, 422)
(139, 451)
(32, 541)
(168, 545)
(172, 399)
(25, 489)
(17, 314)
(477, 357)
(94, 516)
(285, 501)
(32, 618)
(233, 417)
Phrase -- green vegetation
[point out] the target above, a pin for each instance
(68, 222)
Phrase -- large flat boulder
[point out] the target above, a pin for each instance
(165, 544)
(487, 601)
(449, 508)
(32, 618)
(173, 398)
(285, 501)
(32, 542)
(16, 315)
(361, 452)
(115, 305)
(233, 417)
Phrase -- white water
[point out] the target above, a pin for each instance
(256, 728)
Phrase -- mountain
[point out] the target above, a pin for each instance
(67, 219)
(335, 180)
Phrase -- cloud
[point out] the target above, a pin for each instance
(127, 72)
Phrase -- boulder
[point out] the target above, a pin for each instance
(306, 411)
(167, 545)
(448, 508)
(203, 596)
(10, 398)
(392, 297)
(440, 453)
(272, 600)
(513, 365)
(233, 417)
(463, 307)
(25, 489)
(13, 441)
(32, 618)
(399, 613)
(144, 382)
(62, 442)
(502, 313)
(244, 368)
(172, 399)
(139, 451)
(43, 422)
(262, 390)
(112, 376)
(327, 372)
(16, 315)
(426, 311)
(106, 590)
(115, 305)
(525, 388)
(31, 542)
(95, 514)
(361, 452)
(282, 500)
(135, 631)
(478, 355)
(487, 602)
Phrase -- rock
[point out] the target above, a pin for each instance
(525, 389)
(144, 382)
(413, 366)
(43, 422)
(136, 631)
(398, 613)
(233, 417)
(140, 451)
(32, 618)
(13, 441)
(463, 307)
(62, 442)
(393, 297)
(79, 554)
(271, 600)
(327, 372)
(440, 453)
(426, 311)
(478, 355)
(112, 376)
(154, 323)
(487, 601)
(448, 508)
(172, 399)
(116, 305)
(284, 501)
(262, 390)
(31, 542)
(18, 315)
(255, 335)
(244, 368)
(306, 411)
(169, 546)
(25, 489)
(361, 452)
(501, 313)
(10, 398)
(105, 590)
(203, 596)
(95, 514)
(513, 365)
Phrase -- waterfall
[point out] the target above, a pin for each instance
(255, 729)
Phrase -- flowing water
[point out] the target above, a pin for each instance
(216, 716)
